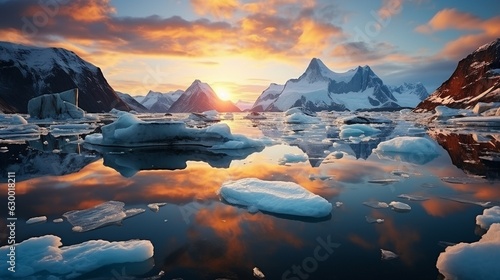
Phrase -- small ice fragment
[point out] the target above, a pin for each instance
(372, 220)
(399, 206)
(376, 204)
(56, 151)
(59, 220)
(252, 209)
(77, 229)
(292, 158)
(155, 207)
(338, 204)
(388, 255)
(3, 148)
(383, 181)
(45, 142)
(400, 173)
(413, 197)
(36, 220)
(337, 154)
(313, 177)
(257, 273)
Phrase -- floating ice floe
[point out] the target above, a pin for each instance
(207, 116)
(106, 213)
(443, 112)
(477, 121)
(338, 204)
(129, 131)
(58, 220)
(300, 110)
(413, 197)
(376, 204)
(482, 107)
(155, 207)
(276, 197)
(468, 201)
(388, 255)
(357, 130)
(383, 181)
(400, 173)
(372, 220)
(463, 180)
(70, 129)
(257, 273)
(46, 254)
(489, 216)
(12, 119)
(35, 220)
(477, 260)
(364, 120)
(399, 206)
(417, 150)
(300, 118)
(20, 131)
(255, 116)
(62, 105)
(293, 158)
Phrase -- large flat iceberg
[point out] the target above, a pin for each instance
(46, 254)
(130, 131)
(417, 150)
(276, 197)
(477, 260)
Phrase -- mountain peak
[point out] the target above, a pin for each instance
(493, 43)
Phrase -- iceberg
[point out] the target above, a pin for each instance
(276, 197)
(372, 220)
(399, 206)
(62, 105)
(489, 216)
(477, 260)
(416, 150)
(300, 118)
(130, 131)
(155, 207)
(106, 213)
(35, 220)
(376, 204)
(388, 255)
(46, 254)
(292, 158)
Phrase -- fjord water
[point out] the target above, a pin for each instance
(199, 236)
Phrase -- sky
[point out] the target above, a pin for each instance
(239, 47)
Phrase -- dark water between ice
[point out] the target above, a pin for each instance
(196, 236)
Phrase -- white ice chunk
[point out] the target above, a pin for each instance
(399, 206)
(106, 213)
(372, 220)
(155, 207)
(36, 220)
(376, 204)
(477, 260)
(356, 130)
(257, 273)
(489, 216)
(276, 197)
(383, 181)
(58, 220)
(300, 118)
(446, 112)
(292, 158)
(46, 254)
(388, 255)
(338, 204)
(409, 149)
(413, 197)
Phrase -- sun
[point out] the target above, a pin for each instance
(223, 93)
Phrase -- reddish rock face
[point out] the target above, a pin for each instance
(476, 79)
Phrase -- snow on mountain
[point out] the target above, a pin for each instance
(27, 72)
(409, 94)
(319, 88)
(243, 105)
(158, 102)
(476, 79)
(200, 97)
(132, 102)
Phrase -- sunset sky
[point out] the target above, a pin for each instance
(240, 46)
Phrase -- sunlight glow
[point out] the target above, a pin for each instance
(223, 93)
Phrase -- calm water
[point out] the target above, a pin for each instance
(197, 236)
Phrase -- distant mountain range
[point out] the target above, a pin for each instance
(27, 72)
(319, 88)
(476, 79)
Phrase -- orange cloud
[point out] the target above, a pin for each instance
(217, 8)
(446, 19)
(390, 8)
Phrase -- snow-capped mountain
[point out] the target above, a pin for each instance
(319, 88)
(200, 97)
(131, 102)
(158, 102)
(243, 105)
(476, 79)
(409, 94)
(27, 71)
